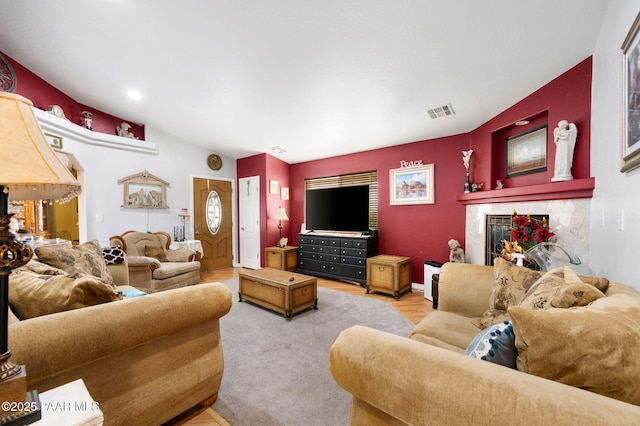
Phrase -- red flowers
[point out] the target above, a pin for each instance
(528, 232)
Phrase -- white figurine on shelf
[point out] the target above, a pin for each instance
(123, 130)
(456, 255)
(498, 184)
(564, 136)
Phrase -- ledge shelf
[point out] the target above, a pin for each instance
(577, 188)
(64, 128)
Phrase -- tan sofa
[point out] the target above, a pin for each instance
(145, 360)
(427, 379)
(153, 266)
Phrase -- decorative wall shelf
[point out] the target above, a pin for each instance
(66, 129)
(577, 188)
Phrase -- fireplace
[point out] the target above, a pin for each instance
(568, 219)
(497, 229)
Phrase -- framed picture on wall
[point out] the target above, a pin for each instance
(273, 186)
(54, 141)
(630, 149)
(412, 185)
(526, 152)
(284, 193)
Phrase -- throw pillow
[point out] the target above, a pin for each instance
(560, 288)
(155, 252)
(496, 344)
(113, 255)
(592, 347)
(32, 295)
(511, 282)
(85, 258)
(601, 284)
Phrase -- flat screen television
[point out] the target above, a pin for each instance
(338, 209)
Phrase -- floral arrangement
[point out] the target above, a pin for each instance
(527, 232)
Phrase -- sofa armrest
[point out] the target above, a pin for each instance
(180, 255)
(465, 288)
(392, 377)
(120, 273)
(51, 344)
(143, 262)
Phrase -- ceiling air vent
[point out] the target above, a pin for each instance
(278, 149)
(441, 111)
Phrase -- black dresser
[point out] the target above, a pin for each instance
(338, 257)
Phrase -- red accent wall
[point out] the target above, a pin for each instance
(42, 94)
(268, 168)
(566, 97)
(417, 231)
(422, 231)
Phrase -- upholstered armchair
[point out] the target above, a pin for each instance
(153, 266)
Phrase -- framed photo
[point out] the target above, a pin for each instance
(284, 193)
(526, 152)
(412, 185)
(54, 141)
(630, 147)
(273, 186)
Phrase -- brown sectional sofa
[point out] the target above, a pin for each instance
(145, 360)
(427, 379)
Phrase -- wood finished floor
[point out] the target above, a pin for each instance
(412, 306)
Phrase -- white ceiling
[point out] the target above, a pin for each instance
(316, 78)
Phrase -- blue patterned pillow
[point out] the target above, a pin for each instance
(495, 344)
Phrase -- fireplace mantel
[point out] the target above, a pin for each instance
(577, 188)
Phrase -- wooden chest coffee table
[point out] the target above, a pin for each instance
(281, 291)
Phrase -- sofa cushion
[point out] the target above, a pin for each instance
(593, 347)
(85, 258)
(560, 288)
(444, 329)
(496, 344)
(32, 295)
(172, 269)
(510, 285)
(156, 253)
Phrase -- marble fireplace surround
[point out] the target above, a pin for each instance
(568, 219)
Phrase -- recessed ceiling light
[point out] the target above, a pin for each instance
(522, 122)
(135, 95)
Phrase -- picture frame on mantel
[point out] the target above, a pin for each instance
(412, 185)
(630, 140)
(526, 152)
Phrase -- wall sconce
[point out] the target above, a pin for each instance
(281, 215)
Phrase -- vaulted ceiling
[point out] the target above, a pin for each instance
(311, 78)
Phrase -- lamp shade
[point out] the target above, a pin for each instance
(29, 168)
(280, 214)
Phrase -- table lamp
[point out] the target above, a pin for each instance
(280, 215)
(29, 170)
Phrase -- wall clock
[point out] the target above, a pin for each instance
(214, 162)
(7, 76)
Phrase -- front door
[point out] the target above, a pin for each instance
(213, 222)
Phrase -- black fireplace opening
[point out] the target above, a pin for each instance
(497, 229)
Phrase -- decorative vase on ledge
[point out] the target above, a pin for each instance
(467, 185)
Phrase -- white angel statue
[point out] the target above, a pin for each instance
(564, 136)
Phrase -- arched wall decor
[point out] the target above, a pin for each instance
(144, 191)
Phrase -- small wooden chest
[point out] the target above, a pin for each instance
(389, 274)
(285, 292)
(285, 258)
